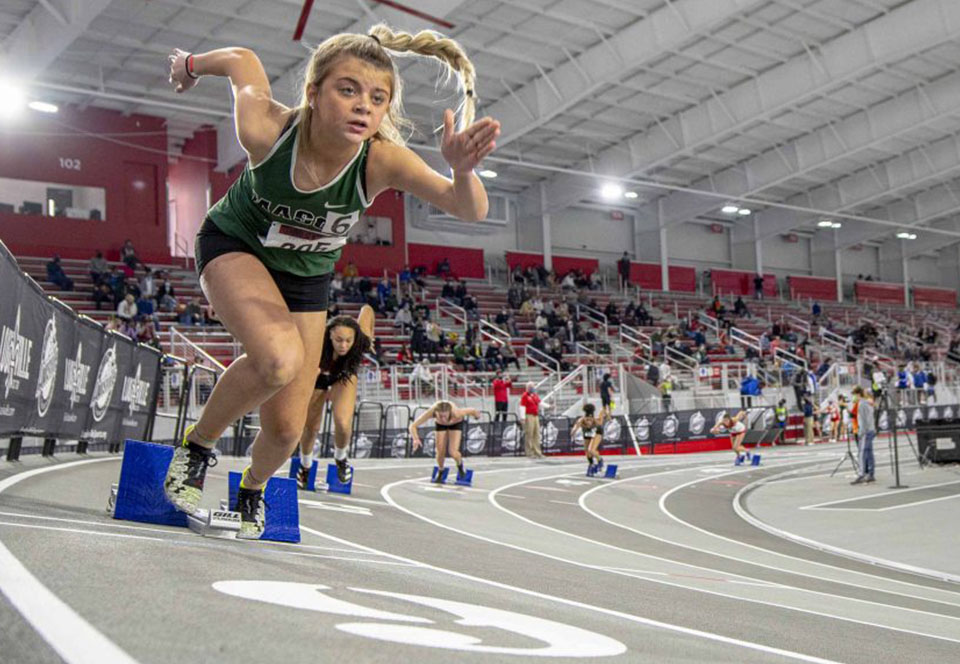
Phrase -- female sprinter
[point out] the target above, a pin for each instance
(737, 430)
(343, 350)
(449, 420)
(592, 428)
(266, 251)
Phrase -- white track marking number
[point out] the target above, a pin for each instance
(559, 639)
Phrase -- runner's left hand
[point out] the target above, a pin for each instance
(466, 149)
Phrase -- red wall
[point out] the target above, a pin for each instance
(812, 287)
(563, 264)
(648, 277)
(133, 176)
(734, 282)
(875, 291)
(372, 260)
(934, 297)
(523, 259)
(463, 262)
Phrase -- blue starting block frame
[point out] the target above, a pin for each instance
(334, 485)
(609, 473)
(283, 510)
(755, 460)
(742, 459)
(443, 474)
(467, 478)
(140, 495)
(466, 481)
(311, 478)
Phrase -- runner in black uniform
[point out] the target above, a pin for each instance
(266, 252)
(592, 428)
(450, 423)
(347, 342)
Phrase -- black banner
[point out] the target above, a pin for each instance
(63, 376)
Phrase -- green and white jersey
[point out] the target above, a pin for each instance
(289, 229)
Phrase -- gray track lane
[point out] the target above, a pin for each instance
(136, 591)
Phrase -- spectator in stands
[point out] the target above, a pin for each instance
(99, 269)
(336, 287)
(815, 311)
(350, 275)
(117, 283)
(758, 287)
(57, 276)
(448, 293)
(443, 268)
(434, 338)
(612, 312)
(475, 356)
(405, 355)
(403, 319)
(406, 281)
(129, 256)
(147, 331)
(509, 357)
(740, 308)
(596, 281)
(192, 313)
(568, 283)
(492, 357)
(127, 309)
(103, 293)
(210, 316)
(384, 291)
(460, 293)
(148, 285)
(421, 375)
(623, 270)
(166, 298)
(749, 388)
(112, 324)
(501, 397)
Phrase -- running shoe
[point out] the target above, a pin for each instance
(252, 513)
(599, 462)
(344, 471)
(303, 476)
(185, 474)
(461, 473)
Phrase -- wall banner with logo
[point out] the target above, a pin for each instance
(62, 375)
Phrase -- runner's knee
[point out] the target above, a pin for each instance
(278, 365)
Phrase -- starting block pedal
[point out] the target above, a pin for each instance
(739, 461)
(283, 513)
(611, 471)
(311, 477)
(467, 479)
(593, 469)
(139, 494)
(221, 523)
(755, 460)
(334, 485)
(443, 475)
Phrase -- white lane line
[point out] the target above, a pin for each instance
(878, 494)
(72, 637)
(920, 502)
(492, 500)
(649, 622)
(522, 497)
(187, 542)
(686, 524)
(340, 496)
(822, 546)
(558, 502)
(345, 509)
(547, 488)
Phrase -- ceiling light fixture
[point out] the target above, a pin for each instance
(43, 107)
(631, 194)
(825, 223)
(487, 173)
(13, 97)
(729, 208)
(745, 212)
(906, 235)
(611, 190)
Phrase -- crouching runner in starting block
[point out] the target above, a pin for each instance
(347, 341)
(450, 422)
(735, 426)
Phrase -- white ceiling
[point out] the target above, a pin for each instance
(840, 107)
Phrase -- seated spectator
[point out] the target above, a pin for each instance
(568, 282)
(210, 316)
(350, 275)
(644, 319)
(596, 283)
(406, 281)
(492, 357)
(501, 318)
(443, 268)
(127, 309)
(113, 324)
(384, 291)
(131, 287)
(166, 299)
(447, 292)
(146, 331)
(460, 293)
(612, 312)
(148, 285)
(740, 307)
(336, 287)
(117, 284)
(57, 276)
(192, 314)
(509, 356)
(129, 256)
(816, 310)
(99, 270)
(405, 355)
(403, 319)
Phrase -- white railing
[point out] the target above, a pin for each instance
(447, 308)
(745, 339)
(784, 355)
(828, 338)
(541, 359)
(182, 346)
(681, 360)
(636, 337)
(493, 332)
(596, 316)
(583, 348)
(556, 398)
(798, 322)
(709, 322)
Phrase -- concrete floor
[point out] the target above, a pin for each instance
(680, 559)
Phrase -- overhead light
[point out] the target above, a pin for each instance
(14, 99)
(631, 194)
(487, 173)
(611, 191)
(836, 224)
(905, 235)
(43, 107)
(825, 223)
(730, 209)
(743, 212)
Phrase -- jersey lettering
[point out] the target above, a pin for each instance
(294, 238)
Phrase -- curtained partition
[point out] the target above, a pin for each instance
(466, 263)
(944, 298)
(816, 288)
(876, 291)
(736, 282)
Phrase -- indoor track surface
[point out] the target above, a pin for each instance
(680, 559)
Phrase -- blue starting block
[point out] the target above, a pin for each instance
(467, 478)
(311, 478)
(593, 469)
(755, 460)
(609, 473)
(140, 495)
(283, 513)
(739, 461)
(443, 474)
(334, 484)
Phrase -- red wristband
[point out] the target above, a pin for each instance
(188, 65)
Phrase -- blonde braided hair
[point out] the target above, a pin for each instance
(372, 48)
